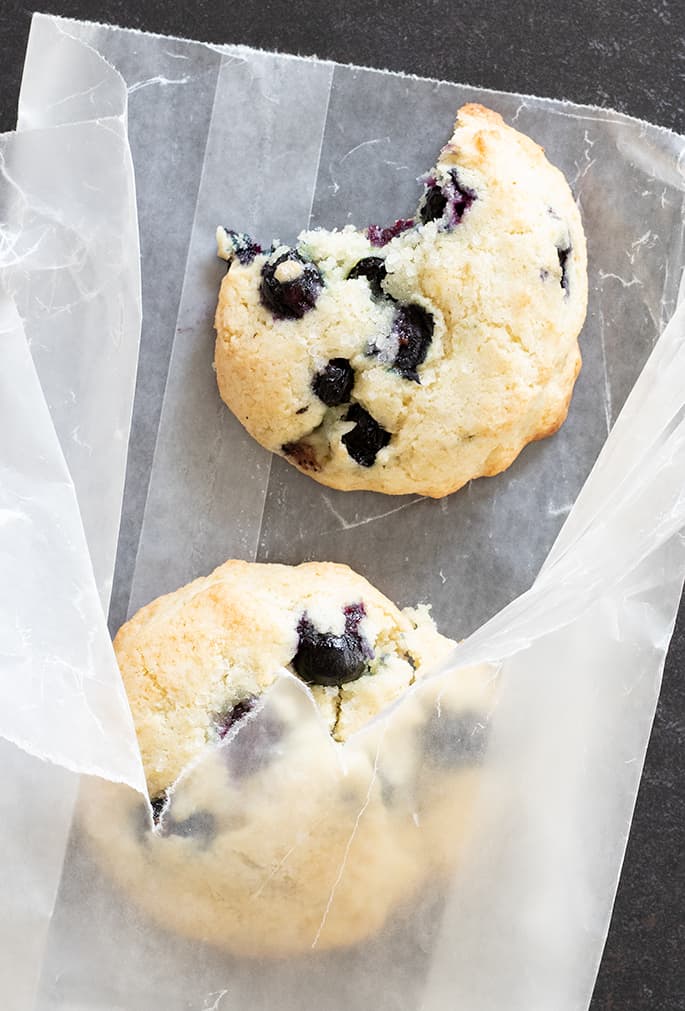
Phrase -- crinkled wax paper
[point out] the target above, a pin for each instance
(269, 144)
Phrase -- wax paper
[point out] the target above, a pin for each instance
(571, 605)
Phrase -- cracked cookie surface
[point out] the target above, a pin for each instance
(416, 357)
(283, 814)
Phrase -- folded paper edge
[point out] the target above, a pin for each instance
(227, 48)
(37, 20)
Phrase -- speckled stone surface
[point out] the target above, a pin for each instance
(625, 55)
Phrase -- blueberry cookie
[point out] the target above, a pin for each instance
(283, 815)
(415, 357)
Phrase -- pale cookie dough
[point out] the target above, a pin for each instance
(284, 814)
(417, 357)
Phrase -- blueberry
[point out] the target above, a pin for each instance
(450, 201)
(460, 198)
(157, 803)
(433, 205)
(454, 739)
(366, 438)
(234, 714)
(333, 385)
(379, 236)
(244, 247)
(326, 659)
(373, 269)
(413, 328)
(353, 616)
(141, 816)
(563, 252)
(290, 285)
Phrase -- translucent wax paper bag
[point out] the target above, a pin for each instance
(510, 864)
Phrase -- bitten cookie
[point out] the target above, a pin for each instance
(282, 816)
(416, 357)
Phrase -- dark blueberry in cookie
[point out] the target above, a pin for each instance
(244, 247)
(334, 383)
(460, 197)
(413, 328)
(433, 205)
(141, 816)
(373, 269)
(379, 236)
(229, 717)
(290, 285)
(200, 826)
(563, 253)
(302, 454)
(451, 201)
(326, 659)
(456, 739)
(353, 616)
(157, 803)
(254, 745)
(366, 438)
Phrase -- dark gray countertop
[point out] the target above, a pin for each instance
(630, 56)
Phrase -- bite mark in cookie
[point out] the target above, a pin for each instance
(452, 302)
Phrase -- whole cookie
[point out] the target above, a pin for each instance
(416, 357)
(282, 816)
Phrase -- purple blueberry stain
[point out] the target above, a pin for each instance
(373, 269)
(412, 328)
(333, 384)
(354, 615)
(366, 439)
(227, 719)
(447, 203)
(244, 247)
(290, 285)
(380, 236)
(323, 658)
